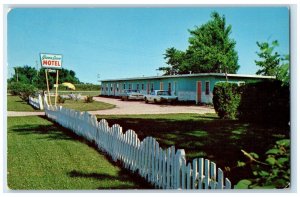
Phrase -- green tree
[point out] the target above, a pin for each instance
(210, 50)
(271, 63)
(37, 78)
(269, 59)
(284, 70)
(175, 58)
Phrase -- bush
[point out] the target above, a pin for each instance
(275, 172)
(60, 99)
(265, 102)
(22, 90)
(226, 100)
(88, 99)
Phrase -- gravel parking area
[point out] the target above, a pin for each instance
(140, 107)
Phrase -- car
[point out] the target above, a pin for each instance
(160, 96)
(132, 95)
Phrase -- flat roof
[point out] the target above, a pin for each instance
(190, 75)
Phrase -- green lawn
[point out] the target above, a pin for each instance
(82, 106)
(83, 93)
(15, 103)
(43, 156)
(205, 136)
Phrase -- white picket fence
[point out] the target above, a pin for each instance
(36, 102)
(165, 169)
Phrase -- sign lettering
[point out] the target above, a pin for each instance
(52, 61)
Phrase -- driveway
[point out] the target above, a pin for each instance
(133, 107)
(140, 107)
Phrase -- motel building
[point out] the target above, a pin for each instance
(187, 87)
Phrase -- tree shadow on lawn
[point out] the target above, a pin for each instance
(57, 132)
(219, 140)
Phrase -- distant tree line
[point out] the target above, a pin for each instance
(37, 78)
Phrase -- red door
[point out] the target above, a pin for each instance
(199, 90)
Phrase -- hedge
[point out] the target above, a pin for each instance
(22, 90)
(226, 100)
(265, 102)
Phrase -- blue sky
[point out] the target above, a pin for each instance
(130, 42)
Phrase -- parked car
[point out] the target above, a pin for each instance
(160, 96)
(132, 95)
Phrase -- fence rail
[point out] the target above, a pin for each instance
(36, 102)
(165, 169)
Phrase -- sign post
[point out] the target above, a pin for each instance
(49, 100)
(51, 61)
(56, 87)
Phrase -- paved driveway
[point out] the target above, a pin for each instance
(140, 107)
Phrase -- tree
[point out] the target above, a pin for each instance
(210, 50)
(284, 70)
(269, 60)
(37, 78)
(175, 58)
(272, 63)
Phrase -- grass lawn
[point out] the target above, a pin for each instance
(82, 106)
(43, 156)
(15, 103)
(83, 93)
(205, 136)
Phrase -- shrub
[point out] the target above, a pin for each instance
(88, 99)
(60, 99)
(265, 102)
(226, 100)
(275, 172)
(22, 90)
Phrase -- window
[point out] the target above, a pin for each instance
(117, 87)
(106, 87)
(142, 86)
(152, 87)
(137, 86)
(207, 87)
(129, 87)
(111, 87)
(124, 86)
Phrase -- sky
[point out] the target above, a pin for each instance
(110, 43)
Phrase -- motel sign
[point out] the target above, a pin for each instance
(52, 61)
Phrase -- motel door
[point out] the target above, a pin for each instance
(199, 90)
(161, 85)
